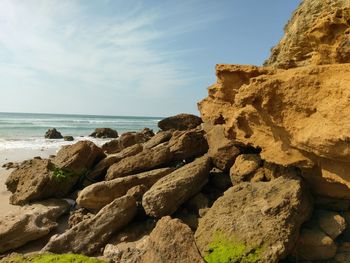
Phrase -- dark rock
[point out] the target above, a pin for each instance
(68, 138)
(53, 134)
(104, 133)
(180, 122)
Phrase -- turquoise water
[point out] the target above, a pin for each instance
(26, 130)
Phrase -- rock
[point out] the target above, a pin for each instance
(126, 140)
(343, 253)
(148, 159)
(189, 218)
(160, 137)
(137, 192)
(171, 241)
(10, 165)
(257, 221)
(333, 204)
(78, 215)
(167, 194)
(317, 33)
(99, 194)
(29, 223)
(180, 122)
(198, 203)
(332, 223)
(188, 144)
(53, 134)
(293, 126)
(314, 244)
(100, 170)
(219, 179)
(68, 138)
(222, 151)
(244, 167)
(104, 133)
(90, 235)
(346, 233)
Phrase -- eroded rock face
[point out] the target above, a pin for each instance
(317, 33)
(180, 122)
(264, 218)
(167, 194)
(99, 194)
(104, 133)
(29, 223)
(298, 117)
(91, 234)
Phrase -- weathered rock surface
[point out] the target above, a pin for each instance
(180, 122)
(290, 115)
(91, 234)
(29, 223)
(160, 137)
(99, 194)
(148, 159)
(244, 167)
(53, 134)
(264, 218)
(128, 139)
(104, 133)
(68, 138)
(167, 194)
(78, 215)
(171, 241)
(317, 33)
(332, 223)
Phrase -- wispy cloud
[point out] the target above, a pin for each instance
(93, 45)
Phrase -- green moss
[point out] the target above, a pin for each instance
(51, 258)
(224, 250)
(60, 174)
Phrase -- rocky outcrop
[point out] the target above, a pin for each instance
(160, 137)
(255, 220)
(98, 195)
(167, 194)
(29, 223)
(68, 138)
(317, 33)
(127, 139)
(104, 133)
(180, 122)
(90, 235)
(244, 167)
(53, 134)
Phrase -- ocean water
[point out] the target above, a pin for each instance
(27, 130)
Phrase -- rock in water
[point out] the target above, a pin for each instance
(166, 195)
(29, 223)
(317, 33)
(53, 134)
(68, 138)
(98, 195)
(104, 133)
(180, 122)
(258, 221)
(90, 235)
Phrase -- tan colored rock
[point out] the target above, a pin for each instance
(343, 253)
(298, 117)
(244, 167)
(90, 235)
(148, 159)
(167, 194)
(100, 194)
(180, 122)
(265, 217)
(171, 241)
(160, 137)
(29, 223)
(317, 33)
(219, 179)
(314, 244)
(78, 215)
(332, 223)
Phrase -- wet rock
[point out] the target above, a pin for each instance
(90, 235)
(53, 134)
(68, 138)
(29, 223)
(258, 220)
(104, 133)
(99, 194)
(180, 122)
(167, 194)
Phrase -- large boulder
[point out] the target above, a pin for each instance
(255, 221)
(99, 194)
(317, 33)
(167, 194)
(90, 235)
(29, 223)
(146, 160)
(180, 122)
(53, 134)
(127, 139)
(104, 133)
(39, 179)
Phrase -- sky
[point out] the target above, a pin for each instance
(133, 58)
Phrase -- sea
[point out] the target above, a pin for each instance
(27, 130)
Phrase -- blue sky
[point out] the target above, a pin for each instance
(116, 57)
